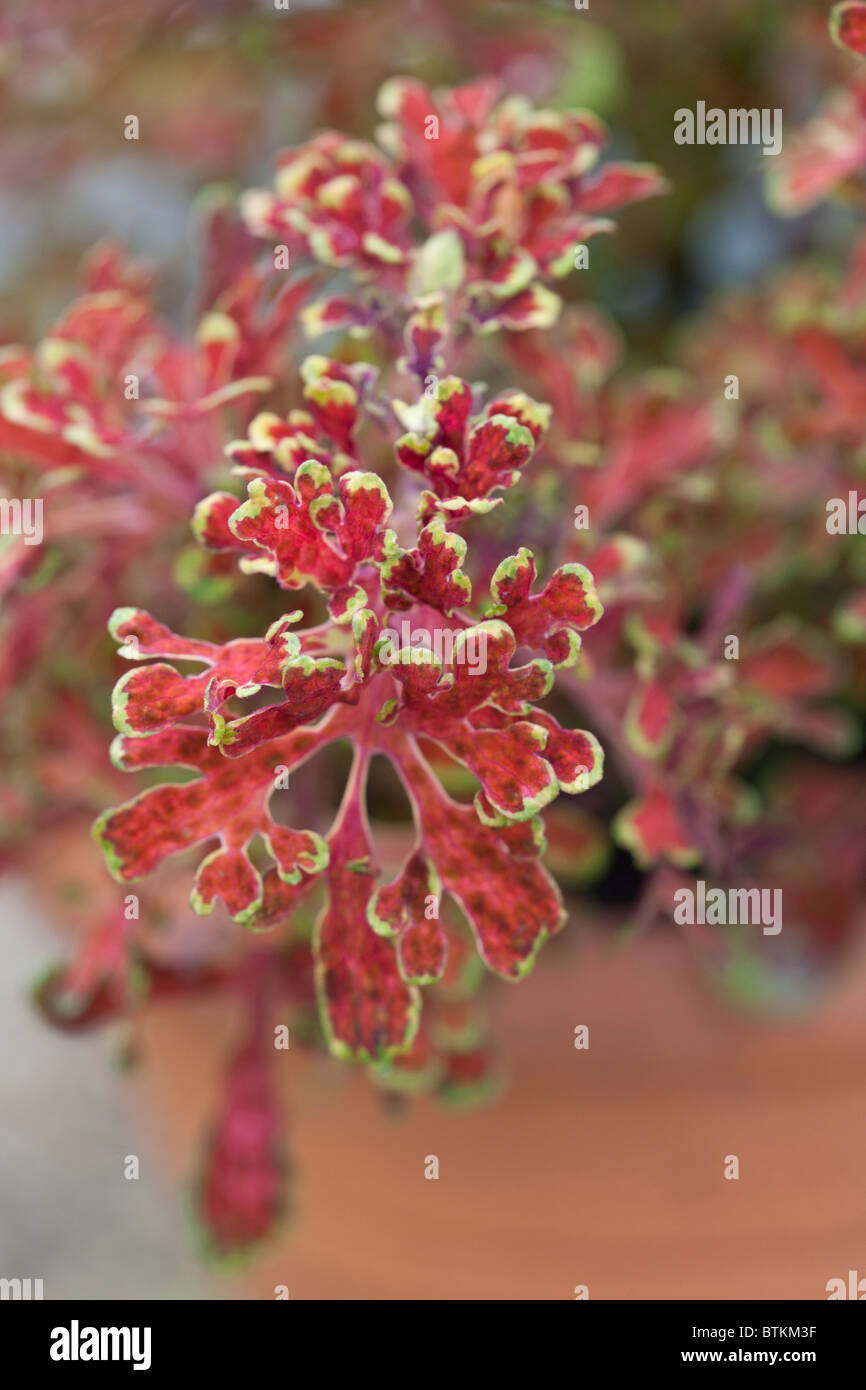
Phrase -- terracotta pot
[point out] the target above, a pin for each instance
(602, 1167)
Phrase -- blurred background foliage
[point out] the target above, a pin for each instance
(219, 86)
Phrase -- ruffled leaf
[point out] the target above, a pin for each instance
(553, 620)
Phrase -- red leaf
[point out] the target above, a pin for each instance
(848, 25)
(368, 1010)
(652, 829)
(511, 902)
(551, 621)
(241, 1193)
(229, 800)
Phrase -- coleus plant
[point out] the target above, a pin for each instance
(728, 604)
(114, 420)
(311, 518)
(323, 525)
(828, 153)
(707, 650)
(459, 217)
(433, 255)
